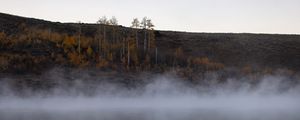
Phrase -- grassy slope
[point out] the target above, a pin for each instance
(266, 50)
(237, 49)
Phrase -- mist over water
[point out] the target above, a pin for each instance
(160, 97)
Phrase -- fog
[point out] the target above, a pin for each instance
(155, 97)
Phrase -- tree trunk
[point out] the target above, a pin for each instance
(156, 55)
(79, 34)
(104, 39)
(128, 51)
(145, 40)
(136, 38)
(123, 46)
(49, 32)
(149, 40)
(99, 41)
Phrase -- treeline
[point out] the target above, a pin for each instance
(109, 47)
(106, 45)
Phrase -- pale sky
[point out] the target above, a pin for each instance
(237, 16)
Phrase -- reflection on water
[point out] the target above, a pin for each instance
(152, 108)
(147, 115)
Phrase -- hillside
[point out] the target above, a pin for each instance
(33, 45)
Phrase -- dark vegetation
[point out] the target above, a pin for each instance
(32, 46)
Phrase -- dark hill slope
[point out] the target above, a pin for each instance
(237, 50)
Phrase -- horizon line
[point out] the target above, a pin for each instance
(166, 30)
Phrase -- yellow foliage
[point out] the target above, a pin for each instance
(86, 42)
(69, 41)
(56, 37)
(2, 36)
(45, 34)
(110, 56)
(89, 51)
(74, 58)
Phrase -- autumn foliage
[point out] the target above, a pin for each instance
(106, 46)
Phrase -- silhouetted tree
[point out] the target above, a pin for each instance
(149, 24)
(103, 21)
(113, 21)
(144, 26)
(136, 24)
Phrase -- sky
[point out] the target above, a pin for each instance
(226, 16)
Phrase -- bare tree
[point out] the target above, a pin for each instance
(144, 26)
(113, 21)
(79, 35)
(156, 55)
(103, 21)
(98, 36)
(149, 24)
(128, 53)
(144, 23)
(136, 24)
